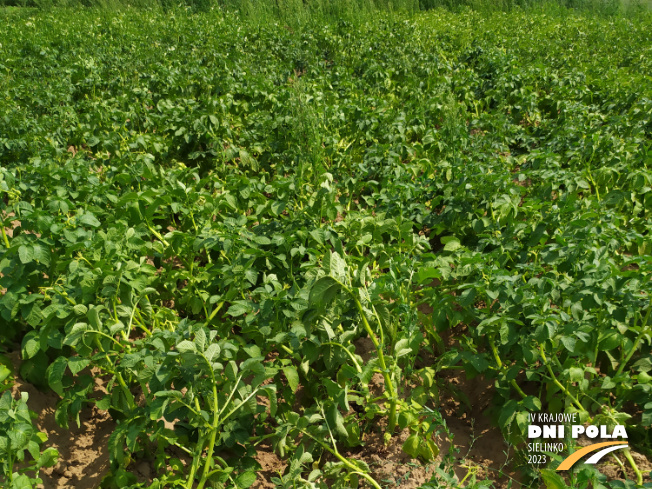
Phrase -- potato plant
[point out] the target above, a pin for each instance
(215, 216)
(19, 438)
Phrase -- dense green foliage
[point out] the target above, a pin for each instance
(17, 438)
(300, 12)
(212, 213)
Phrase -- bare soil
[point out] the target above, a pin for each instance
(83, 453)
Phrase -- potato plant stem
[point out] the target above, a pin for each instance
(100, 333)
(129, 397)
(342, 459)
(10, 468)
(214, 427)
(158, 235)
(5, 238)
(512, 382)
(634, 349)
(630, 459)
(195, 462)
(620, 464)
(353, 359)
(211, 441)
(557, 383)
(215, 311)
(218, 420)
(391, 423)
(131, 320)
(140, 322)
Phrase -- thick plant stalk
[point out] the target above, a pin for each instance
(211, 441)
(499, 362)
(393, 398)
(620, 464)
(5, 238)
(218, 420)
(195, 463)
(378, 344)
(557, 383)
(639, 475)
(213, 434)
(213, 314)
(157, 235)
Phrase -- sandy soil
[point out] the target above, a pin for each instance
(83, 453)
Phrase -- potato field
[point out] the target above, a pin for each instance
(342, 253)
